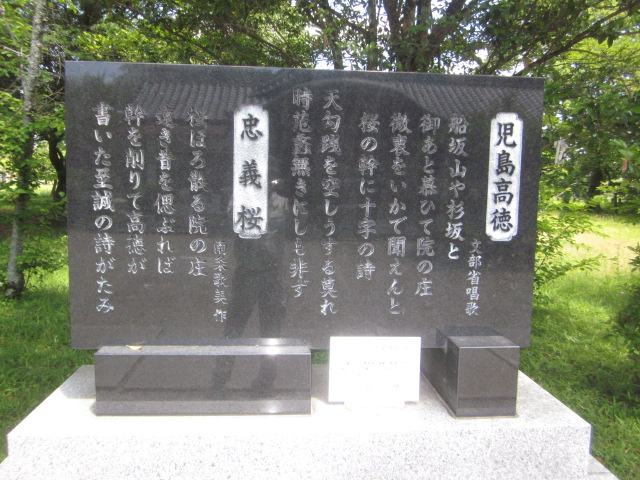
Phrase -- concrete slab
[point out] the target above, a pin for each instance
(63, 438)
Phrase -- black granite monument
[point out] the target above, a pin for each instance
(210, 203)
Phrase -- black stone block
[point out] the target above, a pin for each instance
(261, 377)
(475, 371)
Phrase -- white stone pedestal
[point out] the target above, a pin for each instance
(64, 439)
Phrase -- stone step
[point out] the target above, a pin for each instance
(63, 438)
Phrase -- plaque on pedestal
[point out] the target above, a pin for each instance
(367, 372)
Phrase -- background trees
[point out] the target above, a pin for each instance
(32, 114)
(587, 50)
(23, 120)
(593, 97)
(474, 36)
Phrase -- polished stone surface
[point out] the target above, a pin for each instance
(475, 371)
(332, 222)
(261, 378)
(63, 438)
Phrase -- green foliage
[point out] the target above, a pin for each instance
(575, 356)
(484, 36)
(635, 261)
(34, 350)
(45, 249)
(250, 32)
(622, 195)
(42, 256)
(592, 95)
(626, 323)
(558, 225)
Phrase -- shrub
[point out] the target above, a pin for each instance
(627, 322)
(558, 224)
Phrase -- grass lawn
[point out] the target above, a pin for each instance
(574, 354)
(35, 357)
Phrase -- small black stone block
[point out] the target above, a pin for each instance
(268, 377)
(475, 372)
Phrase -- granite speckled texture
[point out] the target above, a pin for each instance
(63, 438)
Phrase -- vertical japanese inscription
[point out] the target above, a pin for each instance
(103, 205)
(219, 266)
(330, 147)
(397, 242)
(250, 171)
(367, 166)
(135, 166)
(503, 195)
(473, 278)
(198, 223)
(166, 197)
(456, 208)
(425, 244)
(301, 171)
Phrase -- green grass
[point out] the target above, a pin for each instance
(612, 237)
(574, 353)
(35, 357)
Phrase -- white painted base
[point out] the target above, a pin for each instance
(64, 439)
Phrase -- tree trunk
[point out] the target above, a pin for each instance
(57, 159)
(371, 37)
(392, 10)
(595, 180)
(15, 284)
(336, 50)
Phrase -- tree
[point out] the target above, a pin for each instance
(32, 85)
(250, 32)
(23, 147)
(593, 98)
(472, 36)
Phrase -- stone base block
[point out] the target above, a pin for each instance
(268, 377)
(64, 438)
(475, 371)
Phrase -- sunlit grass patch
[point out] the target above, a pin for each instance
(575, 354)
(612, 238)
